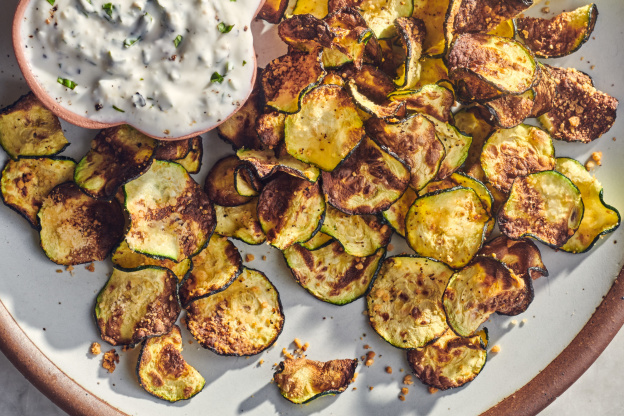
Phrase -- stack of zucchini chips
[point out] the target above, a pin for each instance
(346, 139)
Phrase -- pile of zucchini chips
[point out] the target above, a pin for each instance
(346, 139)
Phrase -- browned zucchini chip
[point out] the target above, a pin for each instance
(544, 92)
(136, 305)
(373, 83)
(381, 15)
(214, 268)
(290, 210)
(395, 215)
(560, 35)
(392, 57)
(448, 362)
(163, 372)
(301, 380)
(405, 301)
(27, 128)
(269, 162)
(318, 9)
(273, 10)
(330, 274)
(352, 35)
(511, 110)
(327, 128)
(171, 217)
(432, 99)
(545, 206)
(240, 222)
(433, 14)
(470, 88)
(76, 228)
(220, 183)
(244, 319)
(475, 122)
(172, 149)
(118, 155)
(482, 16)
(367, 182)
(319, 239)
(127, 260)
(370, 107)
(477, 291)
(26, 182)
(247, 182)
(411, 34)
(599, 218)
(192, 161)
(580, 113)
(306, 33)
(270, 127)
(456, 146)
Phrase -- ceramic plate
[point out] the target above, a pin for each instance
(54, 310)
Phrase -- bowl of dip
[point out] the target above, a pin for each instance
(173, 69)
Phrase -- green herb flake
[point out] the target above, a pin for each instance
(118, 109)
(130, 41)
(66, 83)
(244, 63)
(216, 77)
(51, 2)
(178, 40)
(223, 28)
(108, 8)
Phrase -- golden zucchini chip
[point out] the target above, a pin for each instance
(26, 182)
(192, 161)
(76, 228)
(373, 83)
(381, 15)
(352, 35)
(433, 13)
(247, 182)
(498, 197)
(271, 161)
(511, 110)
(27, 128)
(319, 239)
(433, 71)
(371, 108)
(560, 35)
(136, 305)
(395, 215)
(273, 10)
(214, 268)
(368, 181)
(163, 372)
(505, 29)
(172, 149)
(327, 128)
(301, 380)
(330, 274)
(456, 146)
(220, 183)
(240, 222)
(448, 225)
(432, 99)
(170, 215)
(580, 113)
(475, 122)
(477, 291)
(411, 34)
(270, 127)
(244, 319)
(448, 362)
(545, 206)
(510, 153)
(405, 302)
(599, 218)
(360, 235)
(483, 16)
(127, 260)
(118, 155)
(318, 9)
(544, 92)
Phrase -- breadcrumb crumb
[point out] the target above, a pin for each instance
(404, 390)
(90, 267)
(432, 390)
(370, 388)
(111, 359)
(96, 349)
(495, 349)
(401, 397)
(597, 157)
(369, 358)
(249, 257)
(408, 380)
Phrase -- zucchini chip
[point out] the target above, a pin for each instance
(270, 127)
(483, 16)
(411, 35)
(368, 181)
(287, 79)
(163, 372)
(172, 149)
(306, 33)
(327, 128)
(414, 141)
(511, 110)
(118, 155)
(478, 290)
(214, 268)
(505, 29)
(27, 128)
(192, 161)
(273, 10)
(220, 183)
(456, 146)
(247, 182)
(433, 71)
(301, 380)
(290, 210)
(432, 99)
(405, 302)
(448, 362)
(580, 113)
(371, 108)
(268, 162)
(360, 235)
(545, 206)
(136, 305)
(544, 92)
(244, 319)
(240, 222)
(330, 274)
(373, 83)
(511, 153)
(170, 216)
(559, 36)
(475, 122)
(319, 239)
(352, 35)
(26, 182)
(76, 228)
(433, 14)
(395, 215)
(127, 260)
(599, 218)
(318, 9)
(448, 225)
(381, 15)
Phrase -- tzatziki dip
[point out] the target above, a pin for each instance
(167, 67)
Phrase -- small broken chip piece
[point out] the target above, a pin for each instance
(270, 161)
(220, 183)
(126, 259)
(172, 149)
(240, 222)
(193, 159)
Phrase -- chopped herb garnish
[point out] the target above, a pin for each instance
(131, 41)
(216, 77)
(118, 109)
(178, 40)
(67, 83)
(51, 2)
(108, 8)
(244, 63)
(223, 28)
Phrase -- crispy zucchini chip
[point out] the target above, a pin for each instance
(433, 13)
(433, 71)
(240, 222)
(381, 15)
(319, 239)
(456, 146)
(244, 319)
(448, 362)
(370, 107)
(360, 235)
(352, 35)
(118, 155)
(192, 161)
(270, 127)
(172, 149)
(511, 110)
(76, 228)
(432, 99)
(305, 32)
(327, 128)
(214, 269)
(475, 122)
(301, 380)
(220, 183)
(545, 206)
(373, 83)
(498, 197)
(483, 16)
(27, 128)
(268, 162)
(170, 215)
(318, 9)
(544, 92)
(477, 291)
(367, 182)
(411, 34)
(392, 57)
(469, 88)
(505, 29)
(510, 153)
(247, 182)
(127, 260)
(559, 36)
(395, 215)
(414, 141)
(405, 301)
(137, 305)
(580, 113)
(26, 182)
(330, 274)
(599, 218)
(448, 225)
(273, 10)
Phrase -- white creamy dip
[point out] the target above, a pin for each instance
(167, 67)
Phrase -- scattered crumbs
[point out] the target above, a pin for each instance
(369, 358)
(355, 375)
(404, 390)
(590, 164)
(263, 258)
(432, 390)
(287, 354)
(90, 267)
(111, 358)
(260, 362)
(370, 388)
(613, 139)
(297, 343)
(582, 58)
(390, 247)
(366, 346)
(545, 10)
(592, 67)
(408, 380)
(70, 269)
(495, 349)
(514, 322)
(524, 321)
(365, 312)
(190, 341)
(401, 397)
(354, 388)
(95, 349)
(597, 157)
(61, 271)
(305, 346)
(389, 370)
(249, 257)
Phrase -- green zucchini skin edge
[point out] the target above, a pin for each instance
(188, 275)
